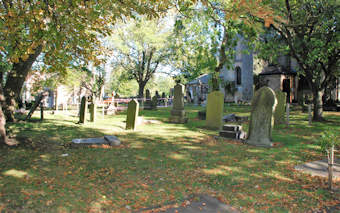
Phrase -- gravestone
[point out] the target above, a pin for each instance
(132, 114)
(154, 102)
(279, 115)
(158, 97)
(178, 112)
(106, 140)
(214, 110)
(93, 111)
(163, 98)
(262, 117)
(116, 97)
(83, 110)
(157, 94)
(148, 102)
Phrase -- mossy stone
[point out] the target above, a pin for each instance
(83, 110)
(262, 117)
(214, 112)
(279, 115)
(132, 114)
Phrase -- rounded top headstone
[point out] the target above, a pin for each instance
(261, 119)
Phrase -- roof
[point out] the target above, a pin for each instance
(277, 70)
(203, 78)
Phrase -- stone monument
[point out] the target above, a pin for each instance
(177, 112)
(279, 115)
(93, 111)
(132, 114)
(262, 117)
(214, 112)
(147, 103)
(154, 102)
(83, 110)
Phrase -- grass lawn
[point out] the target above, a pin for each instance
(160, 164)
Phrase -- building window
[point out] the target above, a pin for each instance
(238, 75)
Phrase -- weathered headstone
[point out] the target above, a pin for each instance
(83, 110)
(163, 97)
(116, 101)
(262, 117)
(93, 109)
(148, 102)
(279, 115)
(147, 94)
(154, 102)
(178, 113)
(214, 110)
(106, 140)
(132, 114)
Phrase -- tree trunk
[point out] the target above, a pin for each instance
(3, 136)
(141, 86)
(15, 81)
(317, 100)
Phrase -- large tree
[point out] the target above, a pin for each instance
(309, 31)
(209, 33)
(58, 32)
(141, 47)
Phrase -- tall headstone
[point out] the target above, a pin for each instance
(158, 97)
(157, 94)
(262, 117)
(132, 114)
(147, 94)
(214, 112)
(93, 109)
(83, 110)
(279, 115)
(154, 102)
(163, 98)
(148, 102)
(178, 113)
(115, 99)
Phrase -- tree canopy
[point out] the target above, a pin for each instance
(309, 32)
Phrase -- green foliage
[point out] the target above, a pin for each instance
(141, 48)
(206, 37)
(309, 31)
(68, 31)
(329, 139)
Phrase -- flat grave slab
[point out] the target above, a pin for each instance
(107, 140)
(320, 168)
(205, 203)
